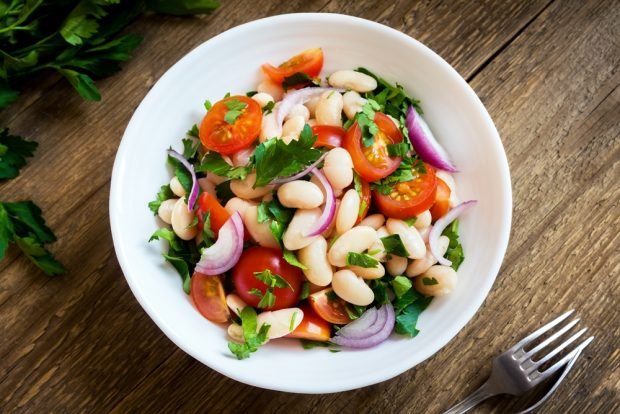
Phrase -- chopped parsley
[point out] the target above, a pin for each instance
(269, 107)
(291, 259)
(397, 150)
(190, 148)
(250, 94)
(361, 260)
(380, 289)
(409, 169)
(407, 319)
(182, 255)
(278, 217)
(357, 184)
(193, 132)
(235, 109)
(455, 249)
(400, 285)
(268, 299)
(293, 318)
(254, 337)
(392, 99)
(13, 153)
(208, 105)
(429, 281)
(223, 192)
(164, 194)
(305, 291)
(394, 245)
(214, 163)
(308, 344)
(298, 79)
(366, 121)
(354, 311)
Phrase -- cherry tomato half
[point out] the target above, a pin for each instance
(208, 296)
(258, 259)
(218, 214)
(329, 306)
(312, 327)
(373, 163)
(442, 200)
(328, 136)
(409, 198)
(365, 199)
(309, 62)
(218, 135)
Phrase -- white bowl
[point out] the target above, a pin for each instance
(230, 62)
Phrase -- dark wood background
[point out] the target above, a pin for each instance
(547, 72)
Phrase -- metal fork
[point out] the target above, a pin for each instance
(515, 372)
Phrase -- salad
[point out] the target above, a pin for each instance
(317, 209)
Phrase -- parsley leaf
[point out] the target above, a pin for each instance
(366, 121)
(394, 245)
(223, 192)
(235, 109)
(190, 148)
(164, 194)
(429, 281)
(380, 289)
(361, 260)
(193, 132)
(250, 94)
(391, 98)
(279, 217)
(308, 344)
(357, 184)
(409, 169)
(13, 153)
(254, 337)
(182, 255)
(354, 311)
(305, 291)
(455, 249)
(407, 320)
(291, 259)
(214, 163)
(267, 300)
(298, 79)
(397, 150)
(269, 107)
(400, 285)
(208, 105)
(272, 280)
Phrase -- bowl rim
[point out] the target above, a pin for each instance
(460, 320)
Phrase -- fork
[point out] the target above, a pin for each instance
(515, 372)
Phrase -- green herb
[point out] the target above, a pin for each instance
(409, 169)
(22, 224)
(13, 153)
(292, 325)
(250, 94)
(193, 132)
(253, 339)
(400, 285)
(190, 148)
(235, 109)
(361, 260)
(407, 320)
(208, 236)
(274, 158)
(305, 291)
(426, 281)
(397, 150)
(307, 344)
(380, 289)
(410, 296)
(272, 280)
(182, 174)
(366, 121)
(182, 255)
(394, 245)
(392, 99)
(357, 184)
(214, 163)
(267, 299)
(331, 295)
(269, 107)
(333, 350)
(223, 192)
(411, 221)
(354, 311)
(278, 217)
(455, 249)
(208, 105)
(298, 79)
(291, 259)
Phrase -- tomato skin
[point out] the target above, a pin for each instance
(309, 62)
(218, 214)
(258, 259)
(207, 293)
(218, 135)
(425, 187)
(331, 310)
(382, 164)
(364, 198)
(312, 327)
(328, 136)
(442, 200)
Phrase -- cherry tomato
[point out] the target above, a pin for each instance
(364, 202)
(312, 327)
(442, 200)
(329, 306)
(218, 214)
(218, 135)
(309, 62)
(373, 163)
(208, 296)
(259, 259)
(409, 198)
(328, 136)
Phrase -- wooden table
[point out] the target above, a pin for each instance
(547, 72)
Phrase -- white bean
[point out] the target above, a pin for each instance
(329, 109)
(409, 236)
(243, 188)
(241, 158)
(235, 332)
(216, 179)
(437, 281)
(235, 303)
(269, 128)
(294, 237)
(298, 110)
(356, 240)
(419, 266)
(165, 210)
(273, 89)
(368, 272)
(377, 250)
(176, 187)
(263, 98)
(348, 212)
(311, 105)
(396, 265)
(374, 220)
(425, 232)
(238, 204)
(314, 257)
(260, 232)
(281, 322)
(350, 79)
(338, 168)
(180, 219)
(300, 194)
(292, 127)
(352, 288)
(423, 220)
(352, 103)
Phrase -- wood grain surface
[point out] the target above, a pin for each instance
(547, 72)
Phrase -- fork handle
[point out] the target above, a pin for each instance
(473, 399)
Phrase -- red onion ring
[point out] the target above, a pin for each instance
(193, 194)
(301, 174)
(296, 97)
(425, 144)
(226, 251)
(371, 322)
(327, 216)
(441, 224)
(373, 340)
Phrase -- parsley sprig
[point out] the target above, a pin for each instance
(361, 260)
(268, 299)
(235, 109)
(253, 336)
(13, 153)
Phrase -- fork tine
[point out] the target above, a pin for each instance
(551, 338)
(553, 369)
(556, 351)
(540, 331)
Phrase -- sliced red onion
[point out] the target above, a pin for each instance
(425, 144)
(226, 251)
(329, 211)
(193, 194)
(371, 322)
(441, 224)
(297, 176)
(296, 97)
(373, 340)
